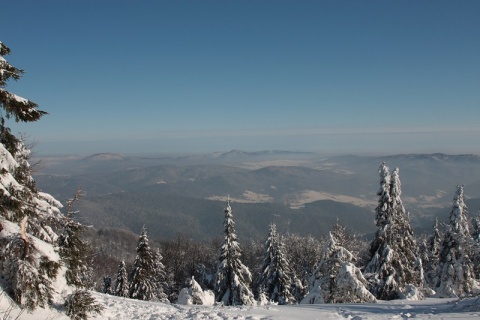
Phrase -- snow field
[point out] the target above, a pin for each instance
(122, 309)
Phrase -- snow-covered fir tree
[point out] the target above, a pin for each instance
(455, 276)
(121, 281)
(28, 269)
(27, 272)
(160, 278)
(337, 279)
(107, 285)
(383, 209)
(142, 281)
(475, 247)
(275, 281)
(476, 228)
(80, 304)
(192, 293)
(340, 234)
(432, 251)
(232, 278)
(18, 192)
(73, 249)
(350, 241)
(304, 254)
(395, 266)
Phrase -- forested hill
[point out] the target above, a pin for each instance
(301, 192)
(169, 215)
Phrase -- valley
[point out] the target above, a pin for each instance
(303, 193)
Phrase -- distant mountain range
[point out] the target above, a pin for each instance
(302, 192)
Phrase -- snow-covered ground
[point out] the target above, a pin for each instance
(122, 309)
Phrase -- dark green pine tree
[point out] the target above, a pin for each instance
(275, 279)
(232, 279)
(143, 282)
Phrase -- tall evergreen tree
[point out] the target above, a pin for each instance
(395, 265)
(121, 282)
(18, 193)
(232, 279)
(383, 209)
(455, 277)
(27, 272)
(142, 284)
(276, 277)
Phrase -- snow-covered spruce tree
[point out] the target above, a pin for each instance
(476, 229)
(18, 194)
(395, 268)
(121, 282)
(455, 276)
(160, 277)
(28, 272)
(73, 249)
(80, 304)
(304, 253)
(383, 210)
(107, 285)
(337, 279)
(475, 251)
(142, 281)
(432, 251)
(232, 278)
(275, 281)
(268, 254)
(73, 252)
(192, 293)
(352, 242)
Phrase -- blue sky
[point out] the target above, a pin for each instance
(201, 76)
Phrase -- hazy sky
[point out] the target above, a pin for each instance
(199, 76)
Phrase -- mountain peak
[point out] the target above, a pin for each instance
(234, 153)
(105, 156)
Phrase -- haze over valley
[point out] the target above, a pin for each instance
(302, 192)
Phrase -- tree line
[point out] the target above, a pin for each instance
(338, 268)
